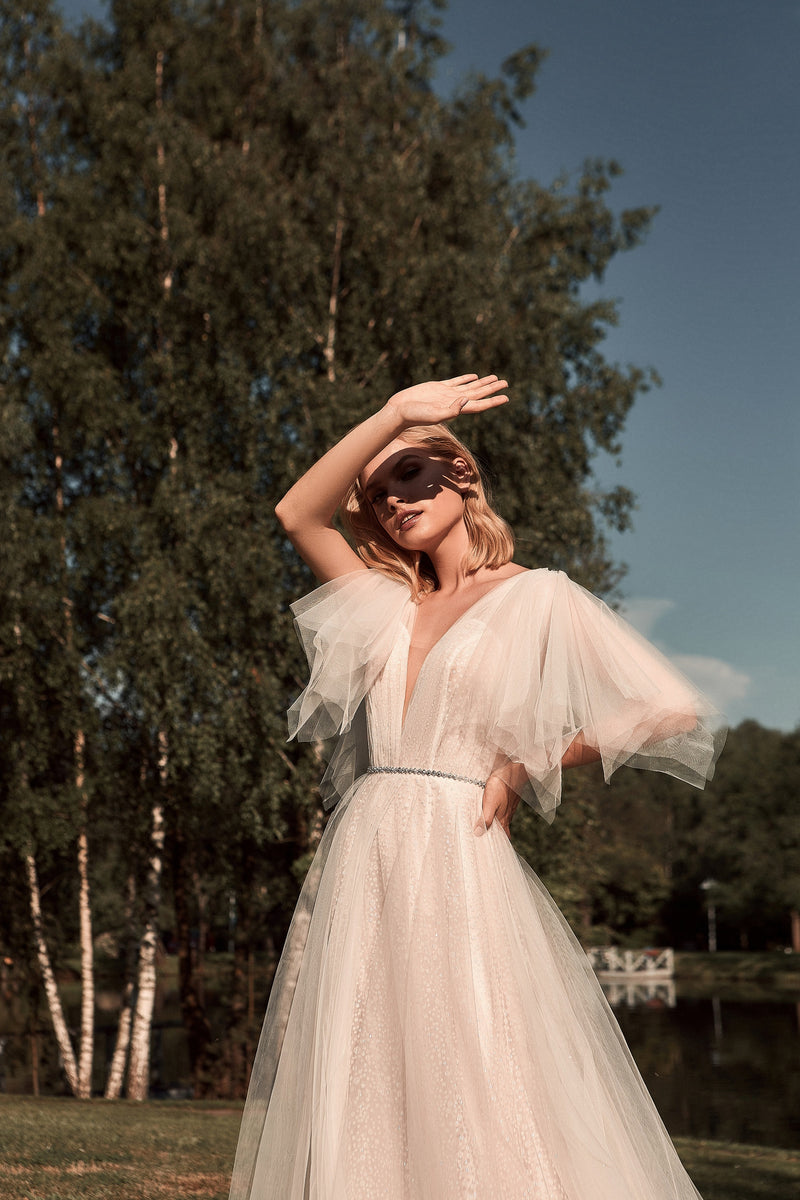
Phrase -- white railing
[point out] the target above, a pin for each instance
(611, 963)
(629, 992)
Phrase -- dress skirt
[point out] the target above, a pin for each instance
(435, 1032)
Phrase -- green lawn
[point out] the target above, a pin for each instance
(64, 1150)
(725, 1171)
(732, 969)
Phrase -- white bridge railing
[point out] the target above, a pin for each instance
(612, 963)
(635, 991)
(635, 977)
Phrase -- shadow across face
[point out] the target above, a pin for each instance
(409, 479)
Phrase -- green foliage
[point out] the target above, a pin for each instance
(745, 837)
(606, 858)
(227, 233)
(626, 862)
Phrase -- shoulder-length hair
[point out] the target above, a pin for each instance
(490, 538)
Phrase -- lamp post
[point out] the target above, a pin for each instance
(708, 886)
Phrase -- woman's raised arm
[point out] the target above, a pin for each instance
(307, 510)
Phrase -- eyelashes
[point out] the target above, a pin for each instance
(406, 476)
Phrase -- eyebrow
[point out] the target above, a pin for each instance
(377, 478)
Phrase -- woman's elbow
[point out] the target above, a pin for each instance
(674, 725)
(286, 517)
(579, 754)
(688, 722)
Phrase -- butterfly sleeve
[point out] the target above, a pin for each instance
(347, 628)
(574, 669)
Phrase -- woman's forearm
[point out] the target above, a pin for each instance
(313, 500)
(579, 753)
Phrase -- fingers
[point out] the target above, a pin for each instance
(493, 801)
(480, 387)
(475, 406)
(503, 819)
(491, 386)
(483, 393)
(499, 803)
(481, 826)
(477, 385)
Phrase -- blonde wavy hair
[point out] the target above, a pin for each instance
(490, 538)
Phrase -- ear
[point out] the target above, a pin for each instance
(462, 473)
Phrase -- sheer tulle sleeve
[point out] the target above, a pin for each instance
(572, 668)
(347, 628)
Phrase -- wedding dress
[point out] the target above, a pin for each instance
(434, 1031)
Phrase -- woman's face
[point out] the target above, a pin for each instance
(418, 498)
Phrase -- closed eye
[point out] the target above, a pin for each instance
(405, 470)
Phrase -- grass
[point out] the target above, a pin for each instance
(54, 1149)
(724, 1171)
(732, 969)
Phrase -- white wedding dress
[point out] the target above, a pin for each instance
(434, 1031)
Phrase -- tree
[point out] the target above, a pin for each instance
(42, 637)
(263, 220)
(607, 860)
(744, 836)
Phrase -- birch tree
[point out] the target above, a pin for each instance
(37, 403)
(262, 221)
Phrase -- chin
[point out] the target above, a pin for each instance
(413, 545)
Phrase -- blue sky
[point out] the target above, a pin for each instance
(699, 102)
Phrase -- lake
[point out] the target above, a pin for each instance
(721, 1067)
(718, 1066)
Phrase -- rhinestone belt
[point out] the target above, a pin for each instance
(481, 783)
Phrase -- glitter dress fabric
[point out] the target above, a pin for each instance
(434, 1031)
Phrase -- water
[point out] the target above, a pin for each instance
(720, 1067)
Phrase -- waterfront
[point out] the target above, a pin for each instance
(722, 1065)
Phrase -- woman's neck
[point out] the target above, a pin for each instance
(448, 559)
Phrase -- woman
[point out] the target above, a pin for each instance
(434, 1030)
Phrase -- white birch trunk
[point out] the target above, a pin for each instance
(333, 299)
(116, 1074)
(84, 1090)
(48, 978)
(87, 946)
(139, 1064)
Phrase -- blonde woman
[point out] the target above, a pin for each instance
(434, 1031)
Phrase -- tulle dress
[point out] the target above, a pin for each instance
(434, 1031)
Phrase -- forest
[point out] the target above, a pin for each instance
(229, 229)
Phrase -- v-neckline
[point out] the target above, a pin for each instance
(410, 630)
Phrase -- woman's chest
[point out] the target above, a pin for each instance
(425, 693)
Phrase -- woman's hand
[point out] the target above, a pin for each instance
(500, 801)
(442, 399)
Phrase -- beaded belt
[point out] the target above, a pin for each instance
(481, 783)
